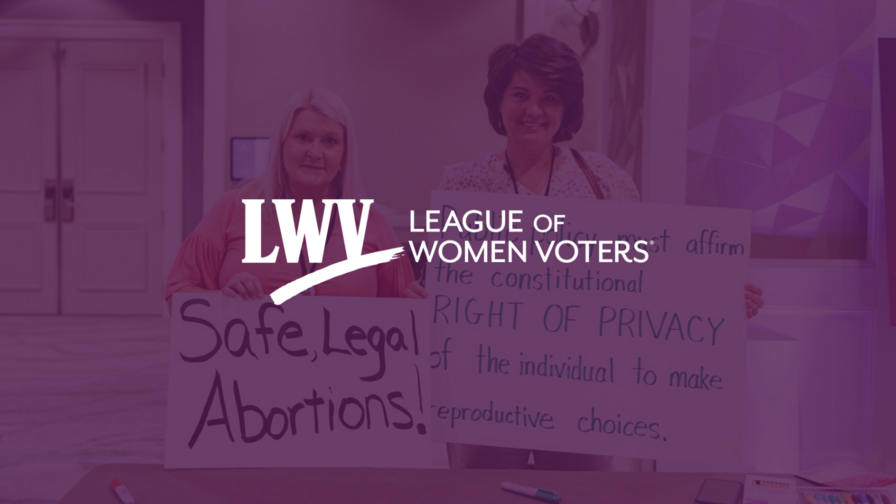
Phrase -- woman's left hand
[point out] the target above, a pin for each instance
(415, 291)
(753, 298)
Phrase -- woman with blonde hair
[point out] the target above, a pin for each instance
(313, 157)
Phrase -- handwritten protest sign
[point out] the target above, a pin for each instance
(314, 382)
(623, 332)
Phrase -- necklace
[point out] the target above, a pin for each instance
(509, 168)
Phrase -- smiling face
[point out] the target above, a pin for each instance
(531, 110)
(313, 153)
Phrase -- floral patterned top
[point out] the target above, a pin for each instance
(489, 175)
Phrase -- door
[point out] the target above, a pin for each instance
(111, 214)
(28, 231)
(81, 178)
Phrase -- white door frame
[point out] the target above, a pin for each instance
(215, 130)
(168, 33)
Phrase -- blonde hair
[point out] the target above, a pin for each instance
(274, 184)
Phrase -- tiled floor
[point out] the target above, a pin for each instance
(76, 392)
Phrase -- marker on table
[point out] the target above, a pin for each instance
(123, 495)
(537, 493)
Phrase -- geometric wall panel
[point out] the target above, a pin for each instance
(779, 120)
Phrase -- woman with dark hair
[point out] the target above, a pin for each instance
(534, 97)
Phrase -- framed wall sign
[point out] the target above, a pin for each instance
(248, 157)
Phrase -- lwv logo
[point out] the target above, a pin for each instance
(315, 239)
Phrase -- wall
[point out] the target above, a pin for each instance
(412, 74)
(809, 297)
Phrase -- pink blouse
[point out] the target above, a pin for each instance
(214, 251)
(487, 174)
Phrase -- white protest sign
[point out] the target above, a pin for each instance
(641, 359)
(317, 381)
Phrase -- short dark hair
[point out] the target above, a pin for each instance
(548, 59)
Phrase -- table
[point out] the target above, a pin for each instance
(150, 484)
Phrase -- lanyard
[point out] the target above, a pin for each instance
(302, 262)
(513, 177)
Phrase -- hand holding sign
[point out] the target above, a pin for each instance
(753, 298)
(245, 285)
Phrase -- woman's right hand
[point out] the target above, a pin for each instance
(415, 291)
(244, 285)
